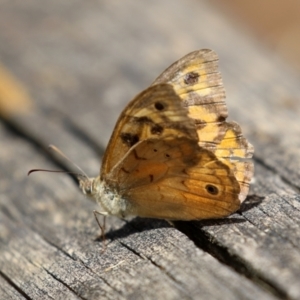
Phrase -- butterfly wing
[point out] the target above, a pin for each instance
(175, 179)
(156, 112)
(197, 81)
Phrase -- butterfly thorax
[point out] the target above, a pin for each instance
(110, 201)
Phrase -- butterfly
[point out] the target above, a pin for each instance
(172, 154)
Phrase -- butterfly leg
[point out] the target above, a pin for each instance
(170, 222)
(102, 227)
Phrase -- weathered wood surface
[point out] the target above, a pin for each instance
(81, 62)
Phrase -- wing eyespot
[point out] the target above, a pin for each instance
(129, 139)
(157, 129)
(191, 78)
(221, 119)
(212, 189)
(159, 106)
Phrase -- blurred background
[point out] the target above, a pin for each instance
(79, 58)
(86, 60)
(275, 23)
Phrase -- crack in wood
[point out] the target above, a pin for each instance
(209, 244)
(274, 171)
(63, 283)
(17, 288)
(161, 268)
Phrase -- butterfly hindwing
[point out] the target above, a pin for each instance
(175, 179)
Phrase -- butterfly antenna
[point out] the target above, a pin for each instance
(54, 148)
(52, 171)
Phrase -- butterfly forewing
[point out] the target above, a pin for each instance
(157, 112)
(197, 81)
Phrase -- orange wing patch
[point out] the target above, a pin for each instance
(175, 180)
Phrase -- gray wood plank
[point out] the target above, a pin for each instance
(8, 291)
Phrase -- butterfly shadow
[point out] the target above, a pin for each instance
(133, 226)
(193, 228)
(138, 224)
(186, 226)
(251, 202)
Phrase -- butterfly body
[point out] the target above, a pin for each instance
(172, 155)
(111, 202)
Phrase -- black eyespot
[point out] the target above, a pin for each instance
(151, 177)
(159, 105)
(212, 189)
(155, 150)
(221, 119)
(157, 129)
(191, 78)
(129, 139)
(167, 155)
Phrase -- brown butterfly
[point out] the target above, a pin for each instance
(172, 155)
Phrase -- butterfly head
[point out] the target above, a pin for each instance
(87, 185)
(110, 201)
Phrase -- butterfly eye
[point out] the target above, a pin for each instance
(89, 187)
(86, 187)
(88, 190)
(212, 189)
(159, 105)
